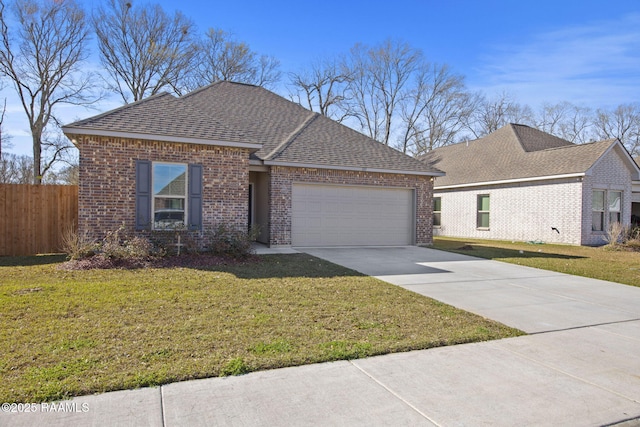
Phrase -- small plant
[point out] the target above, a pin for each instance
(633, 241)
(120, 244)
(235, 366)
(616, 234)
(78, 245)
(232, 242)
(115, 246)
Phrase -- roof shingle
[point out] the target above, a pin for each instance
(241, 113)
(512, 152)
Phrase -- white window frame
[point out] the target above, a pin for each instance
(619, 211)
(185, 197)
(605, 212)
(481, 212)
(435, 212)
(601, 211)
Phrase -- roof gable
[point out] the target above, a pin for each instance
(279, 130)
(513, 152)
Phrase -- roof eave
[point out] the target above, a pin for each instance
(351, 168)
(509, 181)
(71, 130)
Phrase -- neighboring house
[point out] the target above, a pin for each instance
(239, 155)
(519, 183)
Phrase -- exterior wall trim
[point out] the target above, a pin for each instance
(510, 181)
(349, 168)
(72, 131)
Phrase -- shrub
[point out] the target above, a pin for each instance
(616, 234)
(116, 245)
(230, 242)
(633, 241)
(120, 244)
(78, 245)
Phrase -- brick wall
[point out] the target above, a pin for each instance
(282, 179)
(519, 211)
(107, 180)
(609, 173)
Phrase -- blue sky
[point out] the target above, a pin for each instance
(585, 52)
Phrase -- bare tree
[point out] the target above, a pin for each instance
(566, 121)
(220, 57)
(494, 113)
(322, 88)
(142, 49)
(379, 83)
(42, 56)
(67, 175)
(267, 71)
(577, 127)
(622, 123)
(552, 116)
(436, 110)
(16, 169)
(4, 138)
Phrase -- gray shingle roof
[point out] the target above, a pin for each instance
(512, 152)
(240, 113)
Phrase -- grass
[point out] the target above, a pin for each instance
(68, 333)
(598, 263)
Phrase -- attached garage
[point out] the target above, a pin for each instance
(337, 215)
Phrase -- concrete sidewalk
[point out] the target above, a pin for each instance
(581, 366)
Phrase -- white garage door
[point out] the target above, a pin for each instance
(332, 215)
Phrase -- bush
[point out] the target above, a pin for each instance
(121, 244)
(616, 234)
(78, 246)
(230, 242)
(619, 237)
(116, 245)
(633, 241)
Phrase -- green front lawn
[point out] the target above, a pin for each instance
(68, 333)
(599, 263)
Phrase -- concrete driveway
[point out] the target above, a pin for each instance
(580, 366)
(526, 298)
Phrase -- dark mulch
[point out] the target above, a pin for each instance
(465, 248)
(184, 261)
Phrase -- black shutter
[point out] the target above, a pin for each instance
(143, 195)
(195, 198)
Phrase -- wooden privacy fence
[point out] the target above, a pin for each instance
(33, 218)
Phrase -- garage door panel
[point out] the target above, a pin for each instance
(331, 215)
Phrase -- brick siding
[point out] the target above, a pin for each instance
(518, 211)
(609, 173)
(527, 211)
(107, 181)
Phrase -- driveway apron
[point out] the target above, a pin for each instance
(526, 298)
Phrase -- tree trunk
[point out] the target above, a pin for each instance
(37, 153)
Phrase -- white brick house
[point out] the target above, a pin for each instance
(522, 184)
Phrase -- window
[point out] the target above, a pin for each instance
(606, 208)
(169, 195)
(437, 211)
(483, 211)
(615, 207)
(597, 210)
